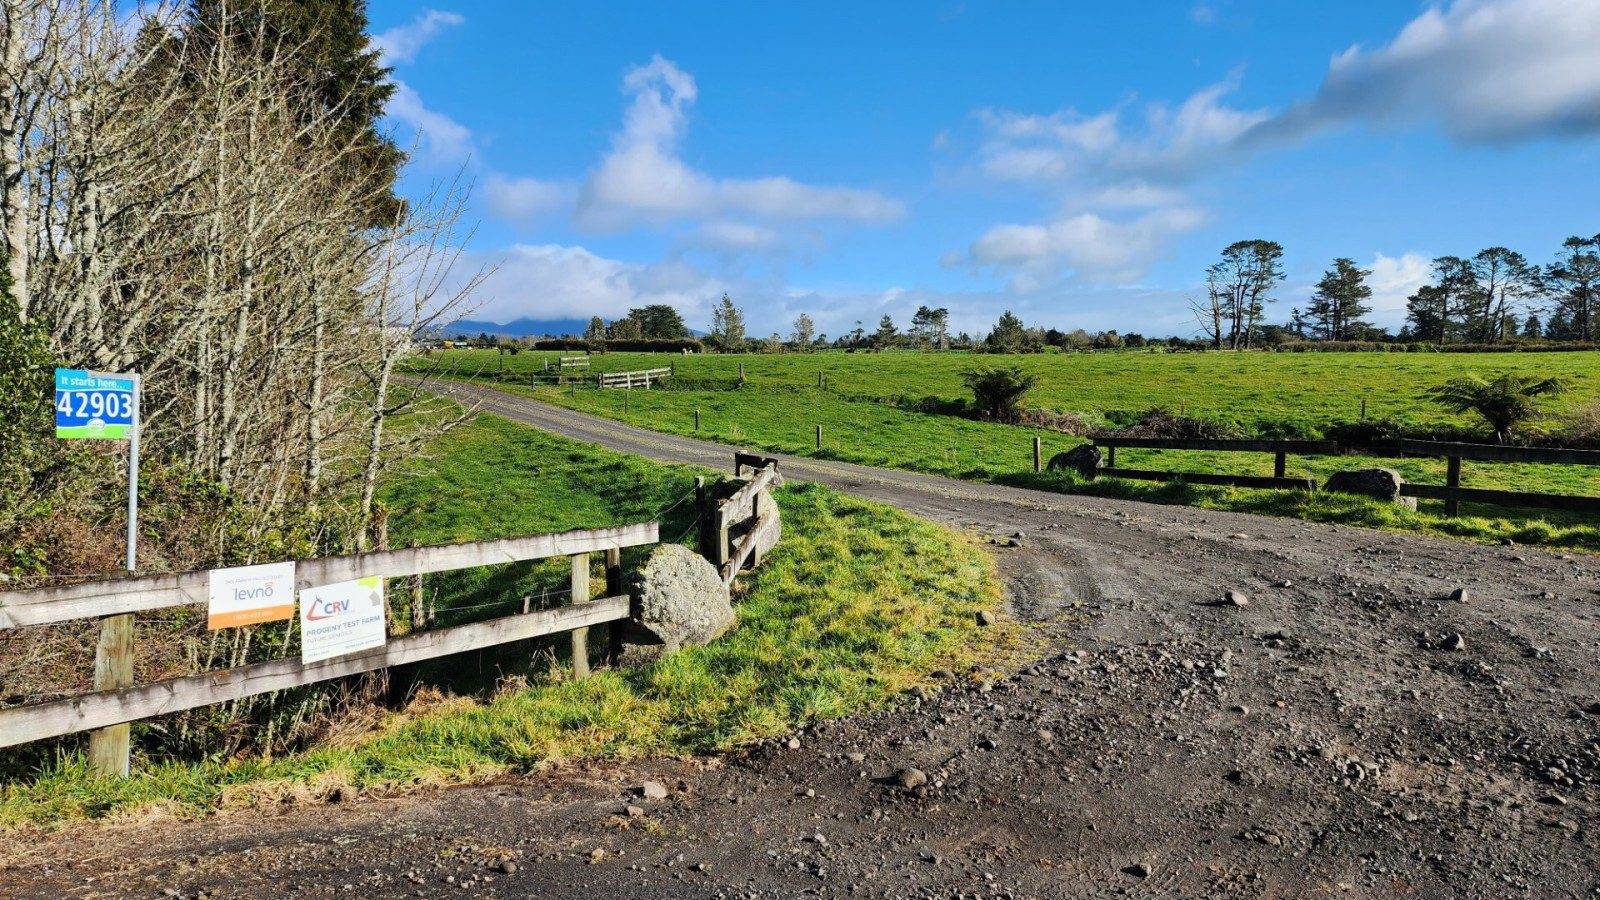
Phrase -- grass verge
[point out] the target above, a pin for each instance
(857, 603)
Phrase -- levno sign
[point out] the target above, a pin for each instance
(95, 405)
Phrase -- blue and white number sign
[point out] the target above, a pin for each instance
(95, 405)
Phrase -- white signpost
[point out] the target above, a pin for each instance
(250, 595)
(343, 618)
(105, 406)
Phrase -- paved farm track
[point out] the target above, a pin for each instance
(1350, 731)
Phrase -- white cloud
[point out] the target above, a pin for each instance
(520, 199)
(445, 139)
(401, 43)
(1159, 143)
(1203, 13)
(556, 281)
(442, 138)
(1394, 279)
(1116, 177)
(643, 180)
(1482, 70)
(738, 236)
(1087, 245)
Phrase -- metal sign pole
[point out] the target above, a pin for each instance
(133, 476)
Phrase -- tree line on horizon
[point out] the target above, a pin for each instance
(1494, 297)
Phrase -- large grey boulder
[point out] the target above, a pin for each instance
(682, 600)
(1381, 484)
(1083, 459)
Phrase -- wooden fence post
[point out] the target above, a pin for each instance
(819, 437)
(819, 378)
(580, 594)
(1280, 464)
(1111, 456)
(724, 544)
(1038, 456)
(613, 589)
(741, 371)
(113, 668)
(1363, 409)
(702, 517)
(697, 418)
(1452, 479)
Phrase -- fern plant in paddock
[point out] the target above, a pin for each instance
(1504, 401)
(997, 392)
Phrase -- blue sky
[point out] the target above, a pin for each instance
(1078, 163)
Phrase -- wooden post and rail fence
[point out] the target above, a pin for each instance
(642, 378)
(1451, 492)
(737, 530)
(115, 707)
(734, 532)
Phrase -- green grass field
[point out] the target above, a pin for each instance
(779, 407)
(1312, 388)
(857, 603)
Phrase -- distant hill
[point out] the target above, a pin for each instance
(520, 328)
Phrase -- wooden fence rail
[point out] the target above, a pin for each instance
(116, 702)
(20, 724)
(750, 508)
(62, 603)
(1452, 492)
(641, 378)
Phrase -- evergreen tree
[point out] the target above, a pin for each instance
(1339, 303)
(930, 328)
(1498, 281)
(625, 329)
(1239, 287)
(658, 322)
(334, 63)
(1010, 336)
(25, 415)
(886, 335)
(1427, 314)
(596, 330)
(1574, 280)
(727, 325)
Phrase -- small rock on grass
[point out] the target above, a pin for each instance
(653, 790)
(985, 618)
